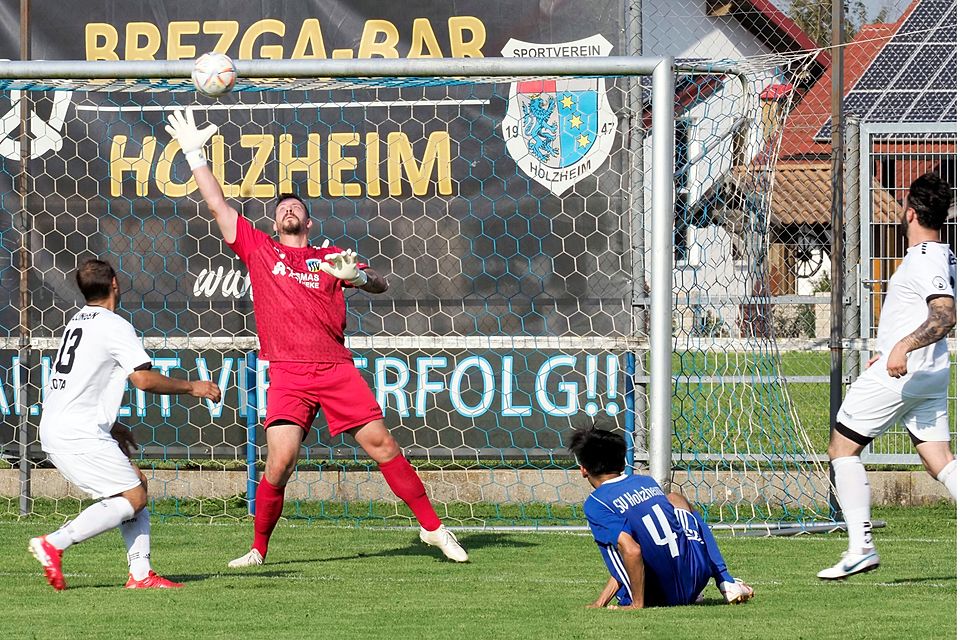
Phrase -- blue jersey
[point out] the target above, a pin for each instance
(675, 558)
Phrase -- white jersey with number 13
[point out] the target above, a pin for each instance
(98, 352)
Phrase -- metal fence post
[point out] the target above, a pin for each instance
(635, 422)
(24, 225)
(852, 258)
(629, 418)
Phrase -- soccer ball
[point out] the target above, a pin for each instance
(214, 74)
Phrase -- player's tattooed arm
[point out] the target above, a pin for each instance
(609, 590)
(375, 283)
(941, 318)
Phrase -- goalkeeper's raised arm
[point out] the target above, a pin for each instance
(291, 218)
(183, 129)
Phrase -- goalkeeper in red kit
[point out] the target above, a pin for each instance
(301, 315)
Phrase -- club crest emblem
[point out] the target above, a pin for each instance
(559, 131)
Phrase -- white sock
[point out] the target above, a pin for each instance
(92, 521)
(853, 493)
(136, 535)
(948, 476)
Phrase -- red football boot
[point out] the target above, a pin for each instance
(51, 559)
(152, 581)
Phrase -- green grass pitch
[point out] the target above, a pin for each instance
(328, 582)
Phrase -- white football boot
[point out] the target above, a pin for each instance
(736, 592)
(851, 564)
(444, 540)
(251, 558)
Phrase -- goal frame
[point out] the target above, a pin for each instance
(175, 76)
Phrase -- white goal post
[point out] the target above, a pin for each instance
(259, 75)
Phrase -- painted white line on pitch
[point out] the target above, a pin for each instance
(485, 579)
(540, 580)
(857, 583)
(17, 574)
(810, 538)
(299, 105)
(231, 521)
(334, 578)
(853, 582)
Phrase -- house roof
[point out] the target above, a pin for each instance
(772, 26)
(914, 76)
(802, 195)
(806, 118)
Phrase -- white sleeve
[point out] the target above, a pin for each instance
(932, 277)
(126, 348)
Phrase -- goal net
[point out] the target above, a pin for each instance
(512, 216)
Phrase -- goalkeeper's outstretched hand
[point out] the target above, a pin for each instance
(183, 129)
(344, 265)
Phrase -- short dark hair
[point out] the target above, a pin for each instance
(930, 196)
(598, 451)
(290, 196)
(95, 279)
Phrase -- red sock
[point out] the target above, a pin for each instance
(269, 507)
(404, 481)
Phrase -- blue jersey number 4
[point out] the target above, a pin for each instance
(663, 534)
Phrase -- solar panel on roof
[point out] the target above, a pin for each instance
(914, 77)
(931, 106)
(949, 15)
(885, 66)
(892, 106)
(929, 17)
(950, 115)
(924, 66)
(944, 34)
(946, 78)
(860, 102)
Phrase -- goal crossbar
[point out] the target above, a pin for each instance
(363, 68)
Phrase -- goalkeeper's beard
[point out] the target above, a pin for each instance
(291, 226)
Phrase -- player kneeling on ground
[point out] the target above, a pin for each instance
(658, 550)
(78, 431)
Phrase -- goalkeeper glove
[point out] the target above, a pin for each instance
(183, 129)
(343, 265)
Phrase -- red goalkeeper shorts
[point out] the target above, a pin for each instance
(299, 389)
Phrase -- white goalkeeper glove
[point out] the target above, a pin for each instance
(183, 129)
(343, 265)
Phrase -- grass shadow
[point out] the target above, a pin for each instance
(918, 580)
(188, 578)
(417, 548)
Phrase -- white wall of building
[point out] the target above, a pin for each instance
(683, 30)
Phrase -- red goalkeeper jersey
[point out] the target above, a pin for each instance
(299, 309)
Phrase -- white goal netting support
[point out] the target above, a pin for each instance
(537, 219)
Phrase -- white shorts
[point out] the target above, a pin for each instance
(101, 473)
(869, 409)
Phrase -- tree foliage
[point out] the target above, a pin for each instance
(814, 17)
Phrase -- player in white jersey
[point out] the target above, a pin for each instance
(906, 381)
(78, 430)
